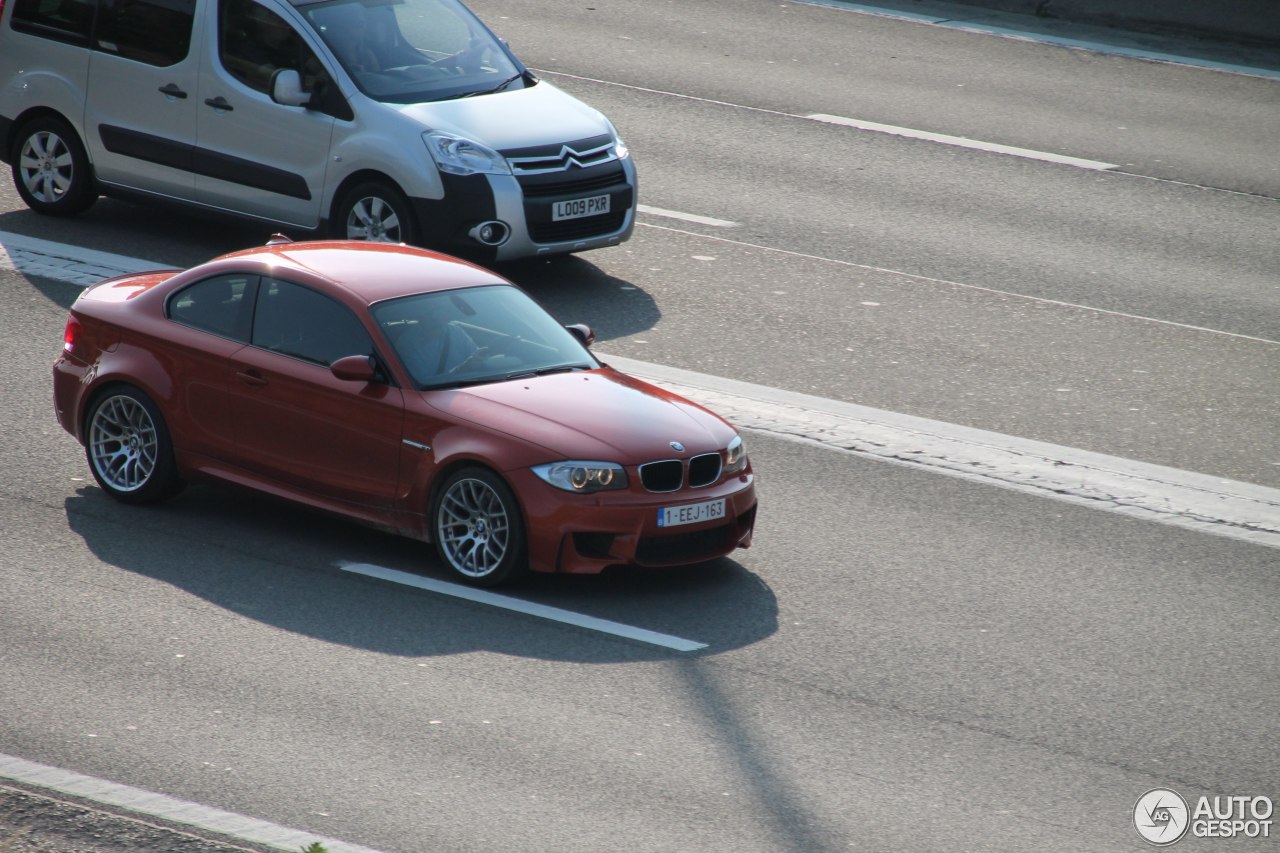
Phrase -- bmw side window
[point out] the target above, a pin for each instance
(254, 42)
(157, 32)
(61, 20)
(220, 305)
(295, 321)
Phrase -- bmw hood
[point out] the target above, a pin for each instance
(523, 118)
(598, 414)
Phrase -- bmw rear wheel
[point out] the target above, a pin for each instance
(129, 449)
(375, 211)
(51, 169)
(479, 530)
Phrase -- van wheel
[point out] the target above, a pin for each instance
(375, 211)
(51, 169)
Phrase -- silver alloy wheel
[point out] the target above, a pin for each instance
(46, 166)
(372, 218)
(123, 443)
(474, 528)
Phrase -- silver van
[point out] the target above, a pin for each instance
(395, 120)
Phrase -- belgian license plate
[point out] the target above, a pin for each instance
(671, 516)
(580, 207)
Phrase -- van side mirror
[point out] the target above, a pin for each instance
(583, 333)
(286, 88)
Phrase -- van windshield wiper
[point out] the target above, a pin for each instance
(498, 88)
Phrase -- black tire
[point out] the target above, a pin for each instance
(374, 211)
(128, 447)
(51, 169)
(478, 528)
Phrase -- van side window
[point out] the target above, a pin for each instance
(60, 20)
(254, 42)
(157, 32)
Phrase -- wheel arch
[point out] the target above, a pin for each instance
(345, 185)
(452, 466)
(9, 148)
(145, 375)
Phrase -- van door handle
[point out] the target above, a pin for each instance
(251, 377)
(219, 103)
(171, 90)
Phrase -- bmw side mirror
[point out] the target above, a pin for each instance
(355, 368)
(583, 333)
(286, 88)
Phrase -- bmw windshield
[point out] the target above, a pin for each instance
(478, 335)
(412, 51)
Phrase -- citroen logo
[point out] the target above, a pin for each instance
(677, 447)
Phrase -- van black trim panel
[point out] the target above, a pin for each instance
(236, 170)
(201, 161)
(443, 223)
(144, 146)
(6, 128)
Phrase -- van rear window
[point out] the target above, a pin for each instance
(61, 20)
(157, 32)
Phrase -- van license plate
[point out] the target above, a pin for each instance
(671, 516)
(580, 207)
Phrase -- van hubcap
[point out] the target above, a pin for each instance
(45, 166)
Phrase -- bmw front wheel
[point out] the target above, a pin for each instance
(478, 528)
(129, 449)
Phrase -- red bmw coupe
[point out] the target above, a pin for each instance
(403, 389)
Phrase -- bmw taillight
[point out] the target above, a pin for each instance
(71, 334)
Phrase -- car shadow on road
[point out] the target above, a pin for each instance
(575, 290)
(281, 565)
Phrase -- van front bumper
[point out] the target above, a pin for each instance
(524, 205)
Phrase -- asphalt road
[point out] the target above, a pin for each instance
(902, 661)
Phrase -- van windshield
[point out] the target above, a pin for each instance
(410, 51)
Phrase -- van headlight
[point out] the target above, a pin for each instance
(459, 156)
(619, 147)
(583, 477)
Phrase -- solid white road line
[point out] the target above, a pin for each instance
(1154, 492)
(963, 142)
(542, 611)
(687, 217)
(1173, 496)
(170, 809)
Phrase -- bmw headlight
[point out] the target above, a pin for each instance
(583, 477)
(459, 156)
(735, 456)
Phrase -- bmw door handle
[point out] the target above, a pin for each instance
(219, 103)
(171, 90)
(251, 377)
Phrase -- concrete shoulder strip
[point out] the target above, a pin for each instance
(1170, 495)
(169, 809)
(61, 262)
